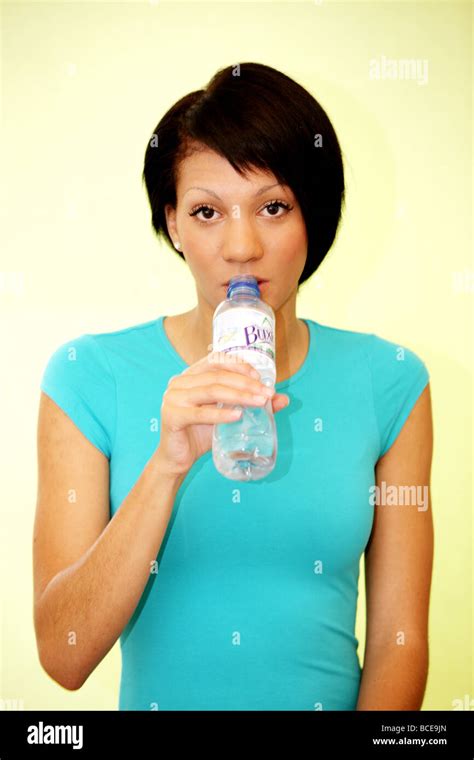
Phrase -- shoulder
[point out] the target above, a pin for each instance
(74, 358)
(396, 358)
(395, 375)
(80, 376)
(97, 348)
(124, 337)
(380, 353)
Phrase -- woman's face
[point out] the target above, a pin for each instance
(227, 224)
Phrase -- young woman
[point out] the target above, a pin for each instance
(226, 595)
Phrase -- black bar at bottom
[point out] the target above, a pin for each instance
(76, 734)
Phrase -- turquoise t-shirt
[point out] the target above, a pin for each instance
(252, 602)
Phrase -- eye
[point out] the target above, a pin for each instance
(276, 205)
(209, 211)
(205, 208)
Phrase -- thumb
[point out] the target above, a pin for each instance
(280, 401)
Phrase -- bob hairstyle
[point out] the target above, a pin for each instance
(255, 117)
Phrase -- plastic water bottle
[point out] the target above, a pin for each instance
(245, 325)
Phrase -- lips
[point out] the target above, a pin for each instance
(259, 282)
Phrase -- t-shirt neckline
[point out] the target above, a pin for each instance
(178, 359)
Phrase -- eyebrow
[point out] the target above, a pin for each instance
(211, 192)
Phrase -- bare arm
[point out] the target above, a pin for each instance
(89, 571)
(398, 567)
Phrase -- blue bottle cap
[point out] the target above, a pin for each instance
(245, 284)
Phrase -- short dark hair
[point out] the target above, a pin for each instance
(256, 117)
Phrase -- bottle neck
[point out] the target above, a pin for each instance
(244, 295)
(247, 286)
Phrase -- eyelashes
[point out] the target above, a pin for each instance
(208, 206)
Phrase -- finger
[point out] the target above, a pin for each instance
(236, 380)
(214, 392)
(280, 401)
(179, 417)
(216, 360)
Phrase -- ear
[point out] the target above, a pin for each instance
(170, 216)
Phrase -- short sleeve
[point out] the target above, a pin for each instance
(79, 379)
(398, 378)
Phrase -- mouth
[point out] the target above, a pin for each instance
(260, 283)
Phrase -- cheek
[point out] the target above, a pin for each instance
(298, 233)
(202, 262)
(289, 247)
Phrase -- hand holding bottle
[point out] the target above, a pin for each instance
(189, 407)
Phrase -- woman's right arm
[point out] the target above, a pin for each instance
(89, 571)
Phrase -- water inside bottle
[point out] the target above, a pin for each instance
(246, 449)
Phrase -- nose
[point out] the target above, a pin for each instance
(241, 242)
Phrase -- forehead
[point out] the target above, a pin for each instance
(206, 168)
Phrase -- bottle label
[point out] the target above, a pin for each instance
(250, 333)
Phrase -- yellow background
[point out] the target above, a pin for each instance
(83, 86)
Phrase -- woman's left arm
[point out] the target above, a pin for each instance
(398, 569)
